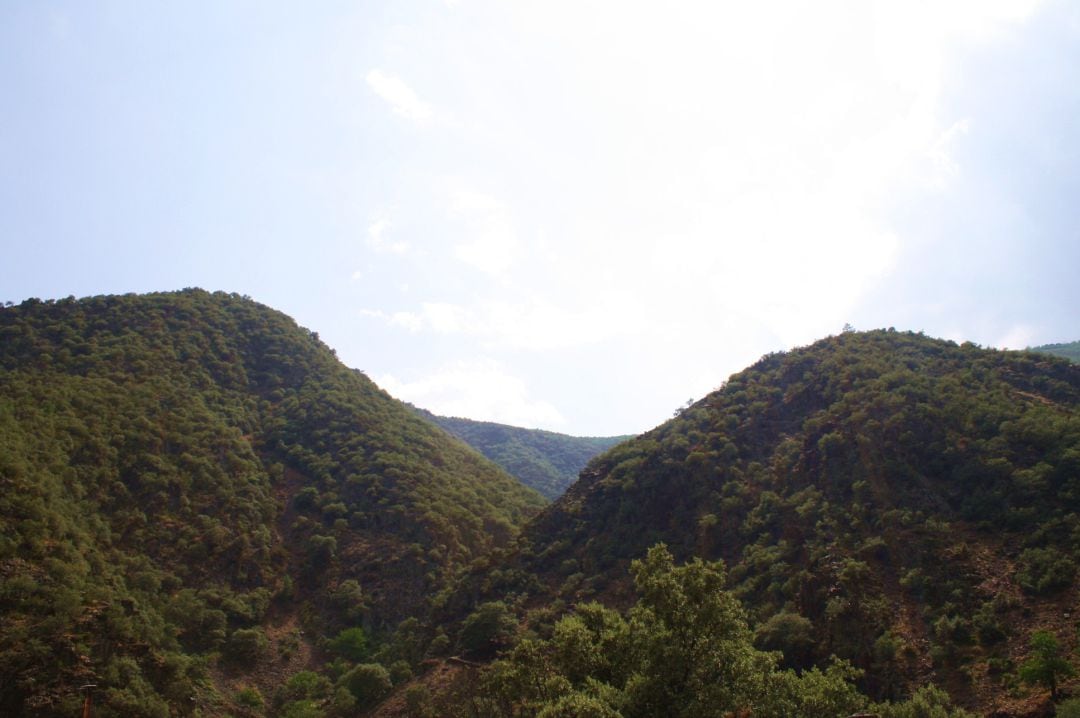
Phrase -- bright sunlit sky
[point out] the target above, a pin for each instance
(570, 215)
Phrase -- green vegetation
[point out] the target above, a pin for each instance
(489, 627)
(1047, 666)
(178, 471)
(865, 492)
(543, 460)
(684, 649)
(1070, 351)
(202, 512)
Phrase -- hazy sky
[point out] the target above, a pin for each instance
(572, 215)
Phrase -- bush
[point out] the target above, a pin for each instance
(418, 702)
(249, 697)
(400, 671)
(320, 550)
(301, 709)
(350, 644)
(1068, 709)
(488, 627)
(1044, 570)
(789, 633)
(246, 646)
(369, 683)
(439, 646)
(305, 685)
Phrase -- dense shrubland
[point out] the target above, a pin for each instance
(544, 460)
(204, 513)
(684, 649)
(1070, 351)
(908, 505)
(179, 471)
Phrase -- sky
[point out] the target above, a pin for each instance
(571, 215)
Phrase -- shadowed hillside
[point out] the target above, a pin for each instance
(1070, 351)
(902, 502)
(543, 460)
(195, 494)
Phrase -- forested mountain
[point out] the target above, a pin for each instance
(907, 504)
(1070, 351)
(544, 460)
(196, 497)
(204, 513)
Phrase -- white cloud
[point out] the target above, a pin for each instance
(533, 325)
(1018, 337)
(404, 320)
(401, 98)
(492, 244)
(469, 202)
(946, 169)
(480, 389)
(379, 242)
(493, 251)
(710, 181)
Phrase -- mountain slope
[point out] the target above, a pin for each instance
(179, 471)
(543, 460)
(906, 503)
(1070, 351)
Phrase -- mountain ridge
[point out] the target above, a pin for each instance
(204, 511)
(1068, 350)
(178, 469)
(546, 461)
(865, 488)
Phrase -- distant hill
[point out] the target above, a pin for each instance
(1070, 351)
(905, 503)
(196, 496)
(543, 460)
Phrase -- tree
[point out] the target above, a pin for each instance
(684, 650)
(488, 627)
(694, 639)
(351, 644)
(369, 683)
(246, 646)
(789, 633)
(1046, 665)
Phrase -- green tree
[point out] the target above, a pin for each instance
(488, 627)
(1046, 666)
(789, 633)
(683, 650)
(351, 644)
(369, 683)
(694, 640)
(927, 702)
(246, 646)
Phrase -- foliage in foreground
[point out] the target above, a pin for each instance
(683, 650)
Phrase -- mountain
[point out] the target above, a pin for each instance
(196, 496)
(905, 503)
(543, 460)
(204, 513)
(1070, 351)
